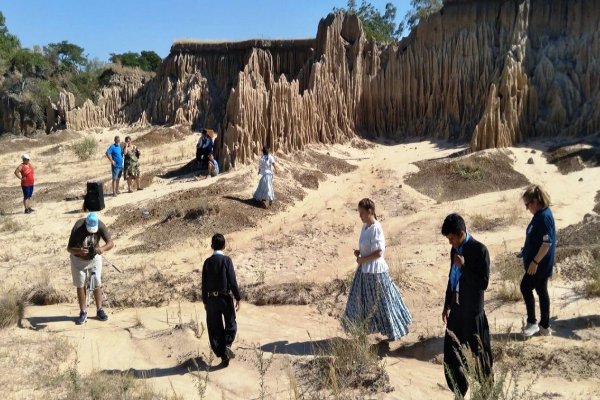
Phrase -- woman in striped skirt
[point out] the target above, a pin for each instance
(374, 302)
(266, 167)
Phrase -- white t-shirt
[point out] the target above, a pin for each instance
(372, 239)
(265, 164)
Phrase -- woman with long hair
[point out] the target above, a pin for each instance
(374, 302)
(538, 259)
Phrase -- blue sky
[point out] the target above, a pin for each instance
(102, 27)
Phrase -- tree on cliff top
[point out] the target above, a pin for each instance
(420, 10)
(377, 26)
(382, 27)
(146, 60)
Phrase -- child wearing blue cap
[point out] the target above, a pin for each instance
(85, 251)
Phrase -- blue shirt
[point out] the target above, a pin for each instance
(216, 164)
(540, 230)
(116, 153)
(455, 271)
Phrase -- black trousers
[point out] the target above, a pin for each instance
(202, 158)
(220, 323)
(528, 284)
(467, 331)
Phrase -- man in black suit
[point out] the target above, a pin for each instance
(464, 316)
(218, 285)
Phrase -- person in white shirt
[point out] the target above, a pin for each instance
(374, 302)
(266, 167)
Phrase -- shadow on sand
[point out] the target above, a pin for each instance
(194, 364)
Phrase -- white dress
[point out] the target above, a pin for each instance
(372, 239)
(265, 191)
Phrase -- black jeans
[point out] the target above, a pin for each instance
(528, 284)
(220, 323)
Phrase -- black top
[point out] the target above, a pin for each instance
(540, 230)
(474, 279)
(218, 276)
(80, 237)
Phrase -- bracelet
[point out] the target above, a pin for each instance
(535, 262)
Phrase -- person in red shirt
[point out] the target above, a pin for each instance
(25, 173)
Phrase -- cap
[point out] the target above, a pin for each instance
(25, 156)
(91, 222)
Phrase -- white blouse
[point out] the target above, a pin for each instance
(372, 239)
(265, 164)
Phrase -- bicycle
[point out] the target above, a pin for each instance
(90, 283)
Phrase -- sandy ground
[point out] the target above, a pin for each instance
(311, 240)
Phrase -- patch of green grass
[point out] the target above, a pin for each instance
(85, 148)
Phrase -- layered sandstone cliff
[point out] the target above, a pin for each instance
(491, 73)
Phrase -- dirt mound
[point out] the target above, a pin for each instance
(11, 143)
(574, 362)
(584, 233)
(574, 157)
(163, 135)
(294, 293)
(457, 178)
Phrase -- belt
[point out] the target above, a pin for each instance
(216, 294)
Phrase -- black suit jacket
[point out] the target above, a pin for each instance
(218, 276)
(474, 279)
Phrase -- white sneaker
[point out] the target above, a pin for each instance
(545, 331)
(530, 329)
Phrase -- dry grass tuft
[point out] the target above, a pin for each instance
(85, 148)
(10, 225)
(511, 272)
(345, 369)
(591, 288)
(12, 308)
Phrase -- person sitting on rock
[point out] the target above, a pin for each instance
(203, 149)
(213, 165)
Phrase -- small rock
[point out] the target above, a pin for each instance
(530, 161)
(533, 151)
(580, 179)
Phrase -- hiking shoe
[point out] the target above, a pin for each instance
(27, 211)
(229, 353)
(530, 329)
(101, 315)
(545, 331)
(82, 318)
(31, 209)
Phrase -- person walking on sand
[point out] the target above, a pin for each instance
(25, 174)
(131, 165)
(86, 252)
(538, 259)
(218, 286)
(374, 302)
(266, 167)
(115, 155)
(466, 323)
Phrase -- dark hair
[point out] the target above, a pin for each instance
(204, 132)
(453, 224)
(218, 242)
(127, 138)
(117, 138)
(367, 204)
(211, 154)
(265, 151)
(535, 192)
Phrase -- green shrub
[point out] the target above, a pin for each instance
(511, 272)
(85, 148)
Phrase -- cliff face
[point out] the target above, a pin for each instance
(489, 72)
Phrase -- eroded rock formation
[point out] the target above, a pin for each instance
(490, 72)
